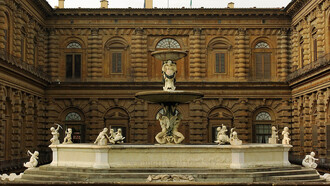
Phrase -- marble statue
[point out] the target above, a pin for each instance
(274, 138)
(309, 161)
(33, 160)
(169, 71)
(55, 134)
(233, 138)
(286, 139)
(177, 136)
(222, 137)
(102, 138)
(68, 138)
(11, 176)
(161, 137)
(169, 125)
(119, 137)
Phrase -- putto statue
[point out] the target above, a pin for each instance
(309, 161)
(222, 137)
(286, 139)
(233, 138)
(33, 160)
(118, 138)
(274, 138)
(55, 134)
(102, 138)
(68, 138)
(169, 71)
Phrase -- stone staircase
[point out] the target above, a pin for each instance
(49, 174)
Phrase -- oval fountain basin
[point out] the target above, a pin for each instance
(172, 55)
(169, 96)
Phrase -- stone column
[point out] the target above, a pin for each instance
(320, 122)
(41, 124)
(306, 46)
(242, 119)
(2, 122)
(295, 53)
(283, 57)
(197, 69)
(240, 53)
(197, 131)
(307, 125)
(2, 30)
(16, 125)
(139, 55)
(30, 42)
(53, 54)
(320, 27)
(29, 131)
(295, 132)
(95, 123)
(139, 124)
(94, 56)
(42, 49)
(17, 35)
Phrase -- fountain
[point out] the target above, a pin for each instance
(103, 163)
(169, 98)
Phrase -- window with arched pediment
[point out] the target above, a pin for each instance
(216, 118)
(74, 119)
(117, 118)
(262, 67)
(168, 43)
(73, 60)
(116, 56)
(262, 125)
(6, 30)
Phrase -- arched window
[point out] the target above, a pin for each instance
(117, 118)
(262, 45)
(262, 124)
(116, 57)
(168, 43)
(74, 120)
(73, 60)
(314, 43)
(6, 33)
(262, 61)
(23, 44)
(216, 118)
(72, 116)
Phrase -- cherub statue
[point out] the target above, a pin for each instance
(222, 138)
(102, 138)
(68, 138)
(112, 136)
(286, 139)
(33, 160)
(309, 161)
(178, 136)
(274, 138)
(161, 136)
(55, 134)
(233, 138)
(169, 71)
(119, 137)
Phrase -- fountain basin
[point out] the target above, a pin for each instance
(172, 55)
(169, 96)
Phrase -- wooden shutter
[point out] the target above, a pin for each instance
(259, 71)
(69, 60)
(77, 66)
(267, 69)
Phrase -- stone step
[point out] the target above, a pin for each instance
(297, 177)
(288, 172)
(50, 178)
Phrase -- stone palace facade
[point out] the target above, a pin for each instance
(82, 67)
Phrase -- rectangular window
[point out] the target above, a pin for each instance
(302, 56)
(315, 49)
(6, 40)
(220, 63)
(263, 132)
(73, 66)
(116, 61)
(263, 65)
(23, 48)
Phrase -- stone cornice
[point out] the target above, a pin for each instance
(294, 6)
(171, 12)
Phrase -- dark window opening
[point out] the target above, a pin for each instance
(220, 61)
(73, 66)
(116, 63)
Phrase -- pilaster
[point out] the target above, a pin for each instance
(283, 56)
(139, 55)
(197, 130)
(197, 69)
(16, 125)
(2, 122)
(53, 54)
(240, 53)
(94, 56)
